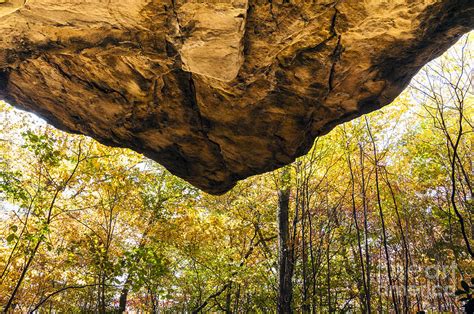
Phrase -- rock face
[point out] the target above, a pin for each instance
(220, 90)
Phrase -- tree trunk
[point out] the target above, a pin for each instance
(366, 228)
(365, 302)
(285, 265)
(382, 219)
(123, 300)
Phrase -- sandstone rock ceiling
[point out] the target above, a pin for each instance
(216, 91)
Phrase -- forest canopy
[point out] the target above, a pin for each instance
(378, 216)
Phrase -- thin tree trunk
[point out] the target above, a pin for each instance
(382, 219)
(304, 249)
(359, 245)
(285, 266)
(406, 301)
(228, 300)
(328, 252)
(123, 298)
(366, 227)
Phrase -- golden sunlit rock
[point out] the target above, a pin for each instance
(216, 91)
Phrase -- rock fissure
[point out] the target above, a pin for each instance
(335, 57)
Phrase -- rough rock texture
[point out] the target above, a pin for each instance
(216, 90)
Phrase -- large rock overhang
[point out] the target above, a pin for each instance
(216, 91)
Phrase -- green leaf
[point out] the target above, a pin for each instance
(465, 286)
(14, 228)
(11, 237)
